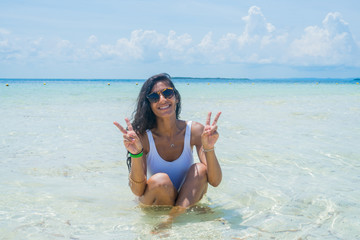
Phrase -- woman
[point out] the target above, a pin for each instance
(161, 144)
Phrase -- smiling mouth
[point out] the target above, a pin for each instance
(164, 107)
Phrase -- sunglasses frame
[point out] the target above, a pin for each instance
(160, 92)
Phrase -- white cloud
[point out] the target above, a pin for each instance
(14, 48)
(206, 50)
(123, 49)
(142, 45)
(334, 24)
(226, 49)
(177, 48)
(256, 25)
(64, 44)
(64, 50)
(4, 31)
(35, 48)
(258, 43)
(330, 44)
(178, 43)
(8, 50)
(92, 39)
(4, 43)
(149, 46)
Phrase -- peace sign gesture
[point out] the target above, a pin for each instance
(131, 140)
(210, 135)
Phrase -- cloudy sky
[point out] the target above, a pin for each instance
(197, 38)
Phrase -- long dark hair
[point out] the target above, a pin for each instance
(143, 116)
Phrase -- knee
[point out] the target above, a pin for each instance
(161, 182)
(200, 171)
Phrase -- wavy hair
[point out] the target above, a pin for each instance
(143, 116)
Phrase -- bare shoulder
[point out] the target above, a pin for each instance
(196, 131)
(197, 127)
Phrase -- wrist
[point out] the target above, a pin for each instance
(137, 155)
(208, 149)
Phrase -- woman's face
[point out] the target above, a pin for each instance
(165, 107)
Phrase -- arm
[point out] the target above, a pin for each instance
(210, 160)
(137, 175)
(205, 139)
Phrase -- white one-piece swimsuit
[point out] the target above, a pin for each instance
(176, 169)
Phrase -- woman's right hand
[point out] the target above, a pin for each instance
(131, 140)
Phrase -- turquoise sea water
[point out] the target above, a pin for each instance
(289, 151)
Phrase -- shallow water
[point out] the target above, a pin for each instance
(288, 150)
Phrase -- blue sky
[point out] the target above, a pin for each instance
(136, 39)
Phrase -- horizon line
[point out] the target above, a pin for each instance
(180, 77)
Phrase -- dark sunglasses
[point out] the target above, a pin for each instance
(166, 92)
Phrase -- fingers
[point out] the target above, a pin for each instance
(211, 130)
(130, 128)
(216, 118)
(123, 130)
(128, 138)
(208, 119)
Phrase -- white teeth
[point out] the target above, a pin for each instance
(164, 107)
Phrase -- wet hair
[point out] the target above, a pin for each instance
(143, 116)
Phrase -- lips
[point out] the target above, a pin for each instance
(164, 107)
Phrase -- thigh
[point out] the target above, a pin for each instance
(159, 191)
(194, 187)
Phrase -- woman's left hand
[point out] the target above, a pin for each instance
(210, 135)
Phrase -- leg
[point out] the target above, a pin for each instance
(159, 191)
(194, 187)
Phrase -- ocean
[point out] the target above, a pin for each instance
(288, 148)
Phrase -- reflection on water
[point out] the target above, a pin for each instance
(201, 220)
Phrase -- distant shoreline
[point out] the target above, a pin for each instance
(180, 78)
(215, 78)
(135, 79)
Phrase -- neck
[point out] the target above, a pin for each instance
(167, 127)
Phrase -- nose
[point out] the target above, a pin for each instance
(161, 97)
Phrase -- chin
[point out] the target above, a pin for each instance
(165, 112)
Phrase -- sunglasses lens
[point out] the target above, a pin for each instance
(153, 97)
(168, 93)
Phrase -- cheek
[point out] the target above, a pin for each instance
(152, 106)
